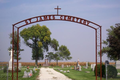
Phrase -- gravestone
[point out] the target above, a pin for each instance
(19, 66)
(106, 62)
(79, 68)
(68, 71)
(74, 67)
(29, 74)
(25, 74)
(86, 65)
(46, 64)
(118, 64)
(61, 70)
(62, 66)
(10, 62)
(67, 66)
(64, 71)
(78, 63)
(30, 71)
(34, 69)
(93, 66)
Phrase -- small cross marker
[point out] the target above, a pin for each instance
(57, 9)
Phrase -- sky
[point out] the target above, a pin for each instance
(79, 39)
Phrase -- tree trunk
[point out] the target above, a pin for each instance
(36, 51)
(49, 61)
(56, 62)
(36, 62)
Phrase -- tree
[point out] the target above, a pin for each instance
(50, 56)
(61, 54)
(15, 45)
(57, 57)
(112, 43)
(38, 38)
(54, 44)
(64, 53)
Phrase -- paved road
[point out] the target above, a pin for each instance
(51, 74)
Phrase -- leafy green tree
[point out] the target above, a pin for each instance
(38, 38)
(64, 53)
(112, 43)
(15, 45)
(57, 57)
(50, 56)
(61, 54)
(54, 44)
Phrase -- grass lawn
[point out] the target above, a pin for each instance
(82, 75)
(3, 76)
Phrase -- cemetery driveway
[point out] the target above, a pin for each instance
(51, 74)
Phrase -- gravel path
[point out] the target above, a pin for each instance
(51, 74)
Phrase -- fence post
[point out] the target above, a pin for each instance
(7, 71)
(106, 71)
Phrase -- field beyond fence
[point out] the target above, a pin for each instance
(54, 63)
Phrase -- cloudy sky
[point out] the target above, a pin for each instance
(79, 39)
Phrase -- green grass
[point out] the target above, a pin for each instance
(82, 75)
(75, 75)
(3, 76)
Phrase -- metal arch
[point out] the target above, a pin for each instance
(55, 17)
(63, 18)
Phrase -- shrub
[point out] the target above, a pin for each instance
(19, 69)
(111, 71)
(98, 70)
(88, 64)
(5, 69)
(40, 65)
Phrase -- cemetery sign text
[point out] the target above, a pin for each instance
(56, 17)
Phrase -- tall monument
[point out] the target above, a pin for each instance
(10, 62)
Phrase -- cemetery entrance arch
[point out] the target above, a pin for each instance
(58, 17)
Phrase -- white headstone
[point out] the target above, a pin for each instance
(10, 62)
(74, 67)
(67, 65)
(86, 65)
(64, 71)
(34, 69)
(20, 65)
(93, 66)
(62, 65)
(118, 64)
(31, 71)
(25, 74)
(78, 63)
(61, 70)
(68, 71)
(80, 68)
